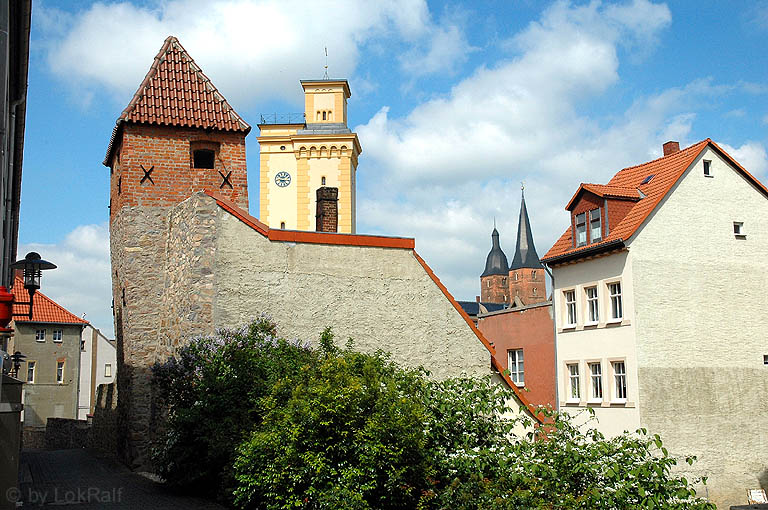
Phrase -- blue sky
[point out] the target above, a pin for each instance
(455, 104)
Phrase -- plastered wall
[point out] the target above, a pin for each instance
(701, 305)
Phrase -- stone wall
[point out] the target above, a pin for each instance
(65, 434)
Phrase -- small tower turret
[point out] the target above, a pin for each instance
(493, 281)
(526, 274)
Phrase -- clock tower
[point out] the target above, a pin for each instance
(301, 153)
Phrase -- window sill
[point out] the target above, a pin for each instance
(569, 327)
(572, 402)
(614, 322)
(740, 236)
(619, 402)
(710, 176)
(520, 385)
(594, 402)
(591, 324)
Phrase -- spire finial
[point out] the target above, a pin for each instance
(522, 188)
(325, 75)
(494, 222)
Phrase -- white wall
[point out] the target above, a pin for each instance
(701, 296)
(106, 353)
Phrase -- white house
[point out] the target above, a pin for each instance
(661, 295)
(98, 365)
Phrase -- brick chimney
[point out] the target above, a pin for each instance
(671, 148)
(327, 216)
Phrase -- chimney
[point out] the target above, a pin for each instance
(477, 299)
(327, 216)
(671, 148)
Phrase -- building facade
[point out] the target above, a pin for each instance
(660, 293)
(98, 365)
(188, 258)
(300, 154)
(51, 343)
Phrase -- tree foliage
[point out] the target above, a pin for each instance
(279, 425)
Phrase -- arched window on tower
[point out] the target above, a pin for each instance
(533, 274)
(282, 225)
(323, 115)
(322, 181)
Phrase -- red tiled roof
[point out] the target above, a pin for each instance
(45, 309)
(604, 190)
(666, 172)
(176, 92)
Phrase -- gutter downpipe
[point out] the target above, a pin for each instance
(554, 332)
(8, 192)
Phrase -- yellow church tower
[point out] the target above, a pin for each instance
(302, 153)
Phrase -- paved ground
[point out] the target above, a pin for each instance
(81, 478)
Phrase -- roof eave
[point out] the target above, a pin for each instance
(585, 252)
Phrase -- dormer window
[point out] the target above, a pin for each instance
(595, 226)
(581, 229)
(203, 158)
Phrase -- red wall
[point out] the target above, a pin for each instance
(530, 329)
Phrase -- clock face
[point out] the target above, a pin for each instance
(283, 179)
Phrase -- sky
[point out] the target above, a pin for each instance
(455, 105)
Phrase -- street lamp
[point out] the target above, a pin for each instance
(33, 266)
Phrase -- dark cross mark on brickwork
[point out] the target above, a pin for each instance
(225, 179)
(147, 174)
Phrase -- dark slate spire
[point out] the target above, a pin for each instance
(525, 253)
(496, 263)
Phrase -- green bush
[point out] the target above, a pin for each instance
(277, 425)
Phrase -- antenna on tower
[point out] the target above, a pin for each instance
(325, 76)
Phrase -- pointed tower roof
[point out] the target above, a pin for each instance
(525, 252)
(496, 262)
(176, 92)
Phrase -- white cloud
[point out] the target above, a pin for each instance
(81, 283)
(252, 49)
(442, 172)
(752, 156)
(446, 50)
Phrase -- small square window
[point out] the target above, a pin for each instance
(707, 168)
(738, 229)
(57, 335)
(40, 335)
(203, 158)
(765, 359)
(515, 365)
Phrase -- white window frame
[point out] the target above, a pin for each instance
(574, 383)
(619, 381)
(596, 392)
(615, 301)
(107, 369)
(593, 305)
(570, 308)
(31, 363)
(707, 168)
(60, 335)
(60, 366)
(738, 229)
(516, 366)
(581, 229)
(40, 335)
(595, 218)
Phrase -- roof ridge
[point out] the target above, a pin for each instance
(37, 306)
(660, 158)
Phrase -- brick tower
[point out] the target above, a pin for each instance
(178, 135)
(493, 281)
(301, 153)
(526, 274)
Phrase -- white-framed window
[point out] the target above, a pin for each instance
(60, 372)
(570, 307)
(574, 380)
(595, 226)
(593, 311)
(581, 229)
(108, 370)
(596, 381)
(738, 229)
(614, 292)
(40, 335)
(31, 365)
(515, 365)
(57, 335)
(708, 169)
(533, 274)
(619, 381)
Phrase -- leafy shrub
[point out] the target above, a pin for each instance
(278, 425)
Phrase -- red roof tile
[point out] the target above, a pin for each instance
(603, 190)
(45, 309)
(176, 92)
(666, 172)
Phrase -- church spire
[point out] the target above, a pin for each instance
(525, 252)
(496, 262)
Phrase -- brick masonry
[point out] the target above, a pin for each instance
(327, 217)
(494, 289)
(529, 285)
